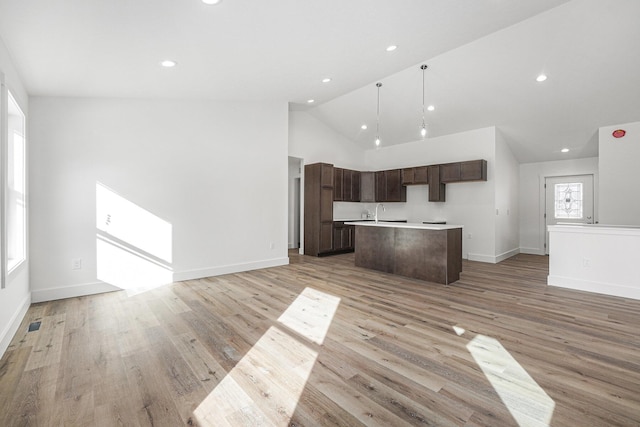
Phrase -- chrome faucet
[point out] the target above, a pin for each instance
(376, 215)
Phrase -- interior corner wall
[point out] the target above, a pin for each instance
(618, 166)
(313, 141)
(15, 297)
(468, 203)
(506, 187)
(215, 171)
(531, 200)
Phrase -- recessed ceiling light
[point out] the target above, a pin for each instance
(565, 150)
(391, 48)
(211, 1)
(363, 127)
(431, 108)
(541, 78)
(310, 101)
(168, 63)
(326, 80)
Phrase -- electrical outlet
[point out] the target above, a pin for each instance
(586, 263)
(272, 245)
(469, 236)
(76, 264)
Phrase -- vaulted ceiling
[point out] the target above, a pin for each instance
(483, 58)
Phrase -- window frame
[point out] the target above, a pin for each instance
(6, 270)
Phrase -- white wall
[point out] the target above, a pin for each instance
(313, 141)
(619, 175)
(15, 298)
(470, 203)
(506, 188)
(531, 200)
(216, 171)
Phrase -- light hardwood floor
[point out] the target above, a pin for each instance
(320, 342)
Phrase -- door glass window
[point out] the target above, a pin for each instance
(568, 200)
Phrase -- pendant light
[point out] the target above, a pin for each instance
(423, 130)
(378, 85)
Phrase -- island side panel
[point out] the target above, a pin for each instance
(375, 248)
(422, 254)
(454, 255)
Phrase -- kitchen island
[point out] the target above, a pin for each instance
(431, 252)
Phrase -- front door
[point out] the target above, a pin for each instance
(568, 199)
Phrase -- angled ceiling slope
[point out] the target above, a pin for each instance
(587, 48)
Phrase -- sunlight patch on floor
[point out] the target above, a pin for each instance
(524, 398)
(264, 387)
(310, 314)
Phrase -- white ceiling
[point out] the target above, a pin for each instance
(483, 57)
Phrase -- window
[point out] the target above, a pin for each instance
(568, 201)
(15, 209)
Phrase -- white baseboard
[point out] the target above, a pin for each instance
(73, 291)
(508, 254)
(12, 327)
(101, 287)
(493, 259)
(532, 251)
(597, 287)
(481, 258)
(228, 269)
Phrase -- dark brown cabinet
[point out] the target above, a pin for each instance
(389, 186)
(415, 176)
(346, 185)
(368, 187)
(381, 187)
(355, 186)
(338, 176)
(436, 187)
(343, 237)
(474, 170)
(318, 208)
(450, 172)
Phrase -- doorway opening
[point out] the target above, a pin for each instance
(295, 199)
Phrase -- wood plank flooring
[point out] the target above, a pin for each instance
(321, 342)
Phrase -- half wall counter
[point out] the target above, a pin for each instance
(595, 258)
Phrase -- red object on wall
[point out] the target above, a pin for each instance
(619, 133)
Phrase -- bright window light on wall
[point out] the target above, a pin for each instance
(133, 246)
(16, 207)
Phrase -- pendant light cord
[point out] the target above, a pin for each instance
(378, 85)
(423, 68)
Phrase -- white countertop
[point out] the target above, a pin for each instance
(405, 225)
(595, 229)
(370, 219)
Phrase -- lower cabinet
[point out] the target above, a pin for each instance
(343, 237)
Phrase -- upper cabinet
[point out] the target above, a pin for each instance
(368, 187)
(436, 187)
(474, 170)
(338, 174)
(355, 186)
(415, 176)
(346, 185)
(389, 186)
